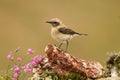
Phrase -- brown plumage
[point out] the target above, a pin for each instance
(65, 30)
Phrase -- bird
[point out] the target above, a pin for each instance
(61, 32)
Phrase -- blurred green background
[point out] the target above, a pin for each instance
(22, 23)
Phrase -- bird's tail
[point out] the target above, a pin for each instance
(81, 34)
(78, 34)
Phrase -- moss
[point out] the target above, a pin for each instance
(50, 75)
(113, 61)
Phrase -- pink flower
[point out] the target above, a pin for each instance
(19, 59)
(33, 63)
(16, 75)
(38, 58)
(30, 51)
(28, 70)
(16, 69)
(13, 79)
(22, 68)
(10, 56)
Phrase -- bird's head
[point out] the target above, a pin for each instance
(54, 22)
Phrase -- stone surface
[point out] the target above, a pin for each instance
(63, 63)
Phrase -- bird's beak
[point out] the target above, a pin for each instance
(48, 21)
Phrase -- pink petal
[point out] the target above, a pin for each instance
(30, 51)
(19, 59)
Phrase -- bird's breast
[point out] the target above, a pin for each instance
(60, 36)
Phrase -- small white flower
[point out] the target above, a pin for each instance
(114, 72)
(45, 60)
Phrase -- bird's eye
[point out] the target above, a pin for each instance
(55, 22)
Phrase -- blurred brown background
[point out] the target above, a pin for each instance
(22, 23)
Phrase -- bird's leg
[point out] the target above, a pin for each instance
(67, 43)
(60, 45)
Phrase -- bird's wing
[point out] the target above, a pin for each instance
(65, 30)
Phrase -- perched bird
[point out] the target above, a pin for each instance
(61, 33)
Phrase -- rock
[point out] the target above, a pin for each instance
(62, 63)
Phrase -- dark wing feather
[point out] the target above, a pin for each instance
(65, 30)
